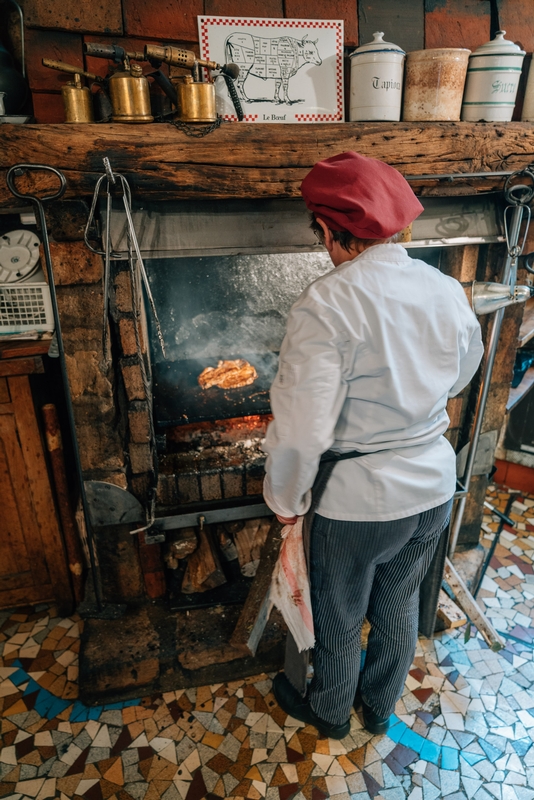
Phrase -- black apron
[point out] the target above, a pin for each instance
(296, 664)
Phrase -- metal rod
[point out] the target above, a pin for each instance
(71, 69)
(484, 386)
(496, 537)
(499, 514)
(176, 521)
(16, 171)
(451, 176)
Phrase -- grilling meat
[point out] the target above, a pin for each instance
(228, 375)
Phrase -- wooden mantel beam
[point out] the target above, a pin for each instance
(253, 161)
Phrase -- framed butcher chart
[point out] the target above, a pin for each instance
(290, 70)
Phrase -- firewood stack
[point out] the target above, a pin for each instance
(206, 557)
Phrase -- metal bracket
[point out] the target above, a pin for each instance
(110, 505)
(199, 519)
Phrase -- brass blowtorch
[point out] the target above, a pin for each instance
(194, 99)
(128, 88)
(77, 99)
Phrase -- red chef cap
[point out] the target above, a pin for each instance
(361, 195)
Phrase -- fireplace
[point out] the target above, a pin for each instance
(223, 277)
(229, 199)
(213, 307)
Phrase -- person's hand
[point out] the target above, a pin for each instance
(286, 520)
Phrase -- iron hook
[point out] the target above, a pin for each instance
(20, 169)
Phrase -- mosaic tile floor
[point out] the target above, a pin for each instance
(464, 727)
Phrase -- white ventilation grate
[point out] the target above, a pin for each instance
(25, 307)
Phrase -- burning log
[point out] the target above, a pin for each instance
(203, 567)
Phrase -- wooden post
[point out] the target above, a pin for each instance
(467, 602)
(68, 523)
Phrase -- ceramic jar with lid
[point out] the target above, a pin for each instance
(376, 73)
(434, 84)
(492, 81)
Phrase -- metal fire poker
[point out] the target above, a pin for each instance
(103, 610)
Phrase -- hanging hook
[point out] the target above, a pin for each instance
(109, 171)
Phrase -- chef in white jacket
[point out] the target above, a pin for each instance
(373, 351)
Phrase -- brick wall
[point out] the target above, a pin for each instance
(57, 28)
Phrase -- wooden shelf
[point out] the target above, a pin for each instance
(240, 160)
(22, 348)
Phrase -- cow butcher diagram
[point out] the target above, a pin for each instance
(276, 59)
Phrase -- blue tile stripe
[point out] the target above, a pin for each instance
(49, 706)
(440, 755)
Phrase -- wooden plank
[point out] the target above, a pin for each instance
(4, 391)
(402, 23)
(27, 595)
(15, 558)
(40, 489)
(255, 613)
(254, 161)
(467, 602)
(449, 612)
(23, 530)
(18, 349)
(21, 366)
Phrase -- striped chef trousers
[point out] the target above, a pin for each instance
(371, 569)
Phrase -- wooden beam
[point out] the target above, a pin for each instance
(467, 602)
(21, 366)
(449, 612)
(255, 161)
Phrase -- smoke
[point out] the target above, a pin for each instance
(227, 306)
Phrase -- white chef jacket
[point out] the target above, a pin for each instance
(372, 352)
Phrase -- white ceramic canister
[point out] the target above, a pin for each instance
(434, 84)
(376, 72)
(492, 80)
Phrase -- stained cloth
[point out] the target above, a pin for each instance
(362, 195)
(372, 353)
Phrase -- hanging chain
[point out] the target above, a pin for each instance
(195, 130)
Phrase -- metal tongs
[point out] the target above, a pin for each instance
(133, 254)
